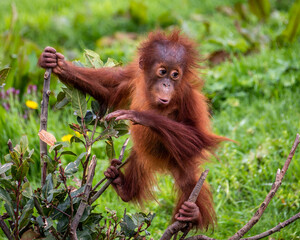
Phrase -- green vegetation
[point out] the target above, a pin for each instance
(254, 94)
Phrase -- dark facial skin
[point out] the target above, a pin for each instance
(165, 74)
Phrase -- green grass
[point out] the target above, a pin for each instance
(254, 97)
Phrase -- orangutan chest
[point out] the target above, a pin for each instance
(148, 142)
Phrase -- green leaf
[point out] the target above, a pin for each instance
(26, 190)
(3, 74)
(71, 168)
(68, 92)
(107, 133)
(128, 226)
(110, 151)
(17, 148)
(111, 63)
(15, 157)
(7, 184)
(30, 152)
(4, 168)
(79, 158)
(76, 139)
(48, 187)
(62, 223)
(99, 108)
(22, 171)
(122, 128)
(88, 118)
(24, 144)
(58, 146)
(92, 59)
(26, 214)
(5, 196)
(8, 202)
(60, 96)
(79, 103)
(68, 153)
(85, 234)
(60, 104)
(10, 210)
(8, 158)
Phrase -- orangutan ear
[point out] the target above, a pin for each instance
(141, 63)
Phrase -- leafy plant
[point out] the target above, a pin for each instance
(65, 209)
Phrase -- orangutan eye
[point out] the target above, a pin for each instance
(174, 74)
(161, 72)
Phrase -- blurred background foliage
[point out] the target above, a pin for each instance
(252, 74)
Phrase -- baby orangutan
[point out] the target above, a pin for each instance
(171, 123)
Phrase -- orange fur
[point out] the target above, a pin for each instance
(176, 138)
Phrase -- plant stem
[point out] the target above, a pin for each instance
(43, 123)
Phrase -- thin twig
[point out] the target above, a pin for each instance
(177, 226)
(121, 165)
(186, 231)
(43, 123)
(270, 195)
(95, 126)
(274, 229)
(84, 200)
(200, 237)
(106, 185)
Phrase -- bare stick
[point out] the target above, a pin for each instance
(177, 226)
(274, 229)
(5, 229)
(200, 237)
(84, 201)
(195, 193)
(120, 159)
(109, 181)
(270, 195)
(43, 123)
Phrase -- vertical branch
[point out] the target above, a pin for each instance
(85, 198)
(109, 181)
(43, 123)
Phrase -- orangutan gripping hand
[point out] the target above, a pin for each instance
(52, 59)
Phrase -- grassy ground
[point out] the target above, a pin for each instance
(254, 96)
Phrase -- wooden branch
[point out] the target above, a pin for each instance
(177, 226)
(195, 193)
(270, 195)
(109, 181)
(43, 123)
(120, 158)
(84, 201)
(5, 229)
(200, 237)
(274, 229)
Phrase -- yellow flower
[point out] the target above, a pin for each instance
(31, 104)
(77, 134)
(66, 138)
